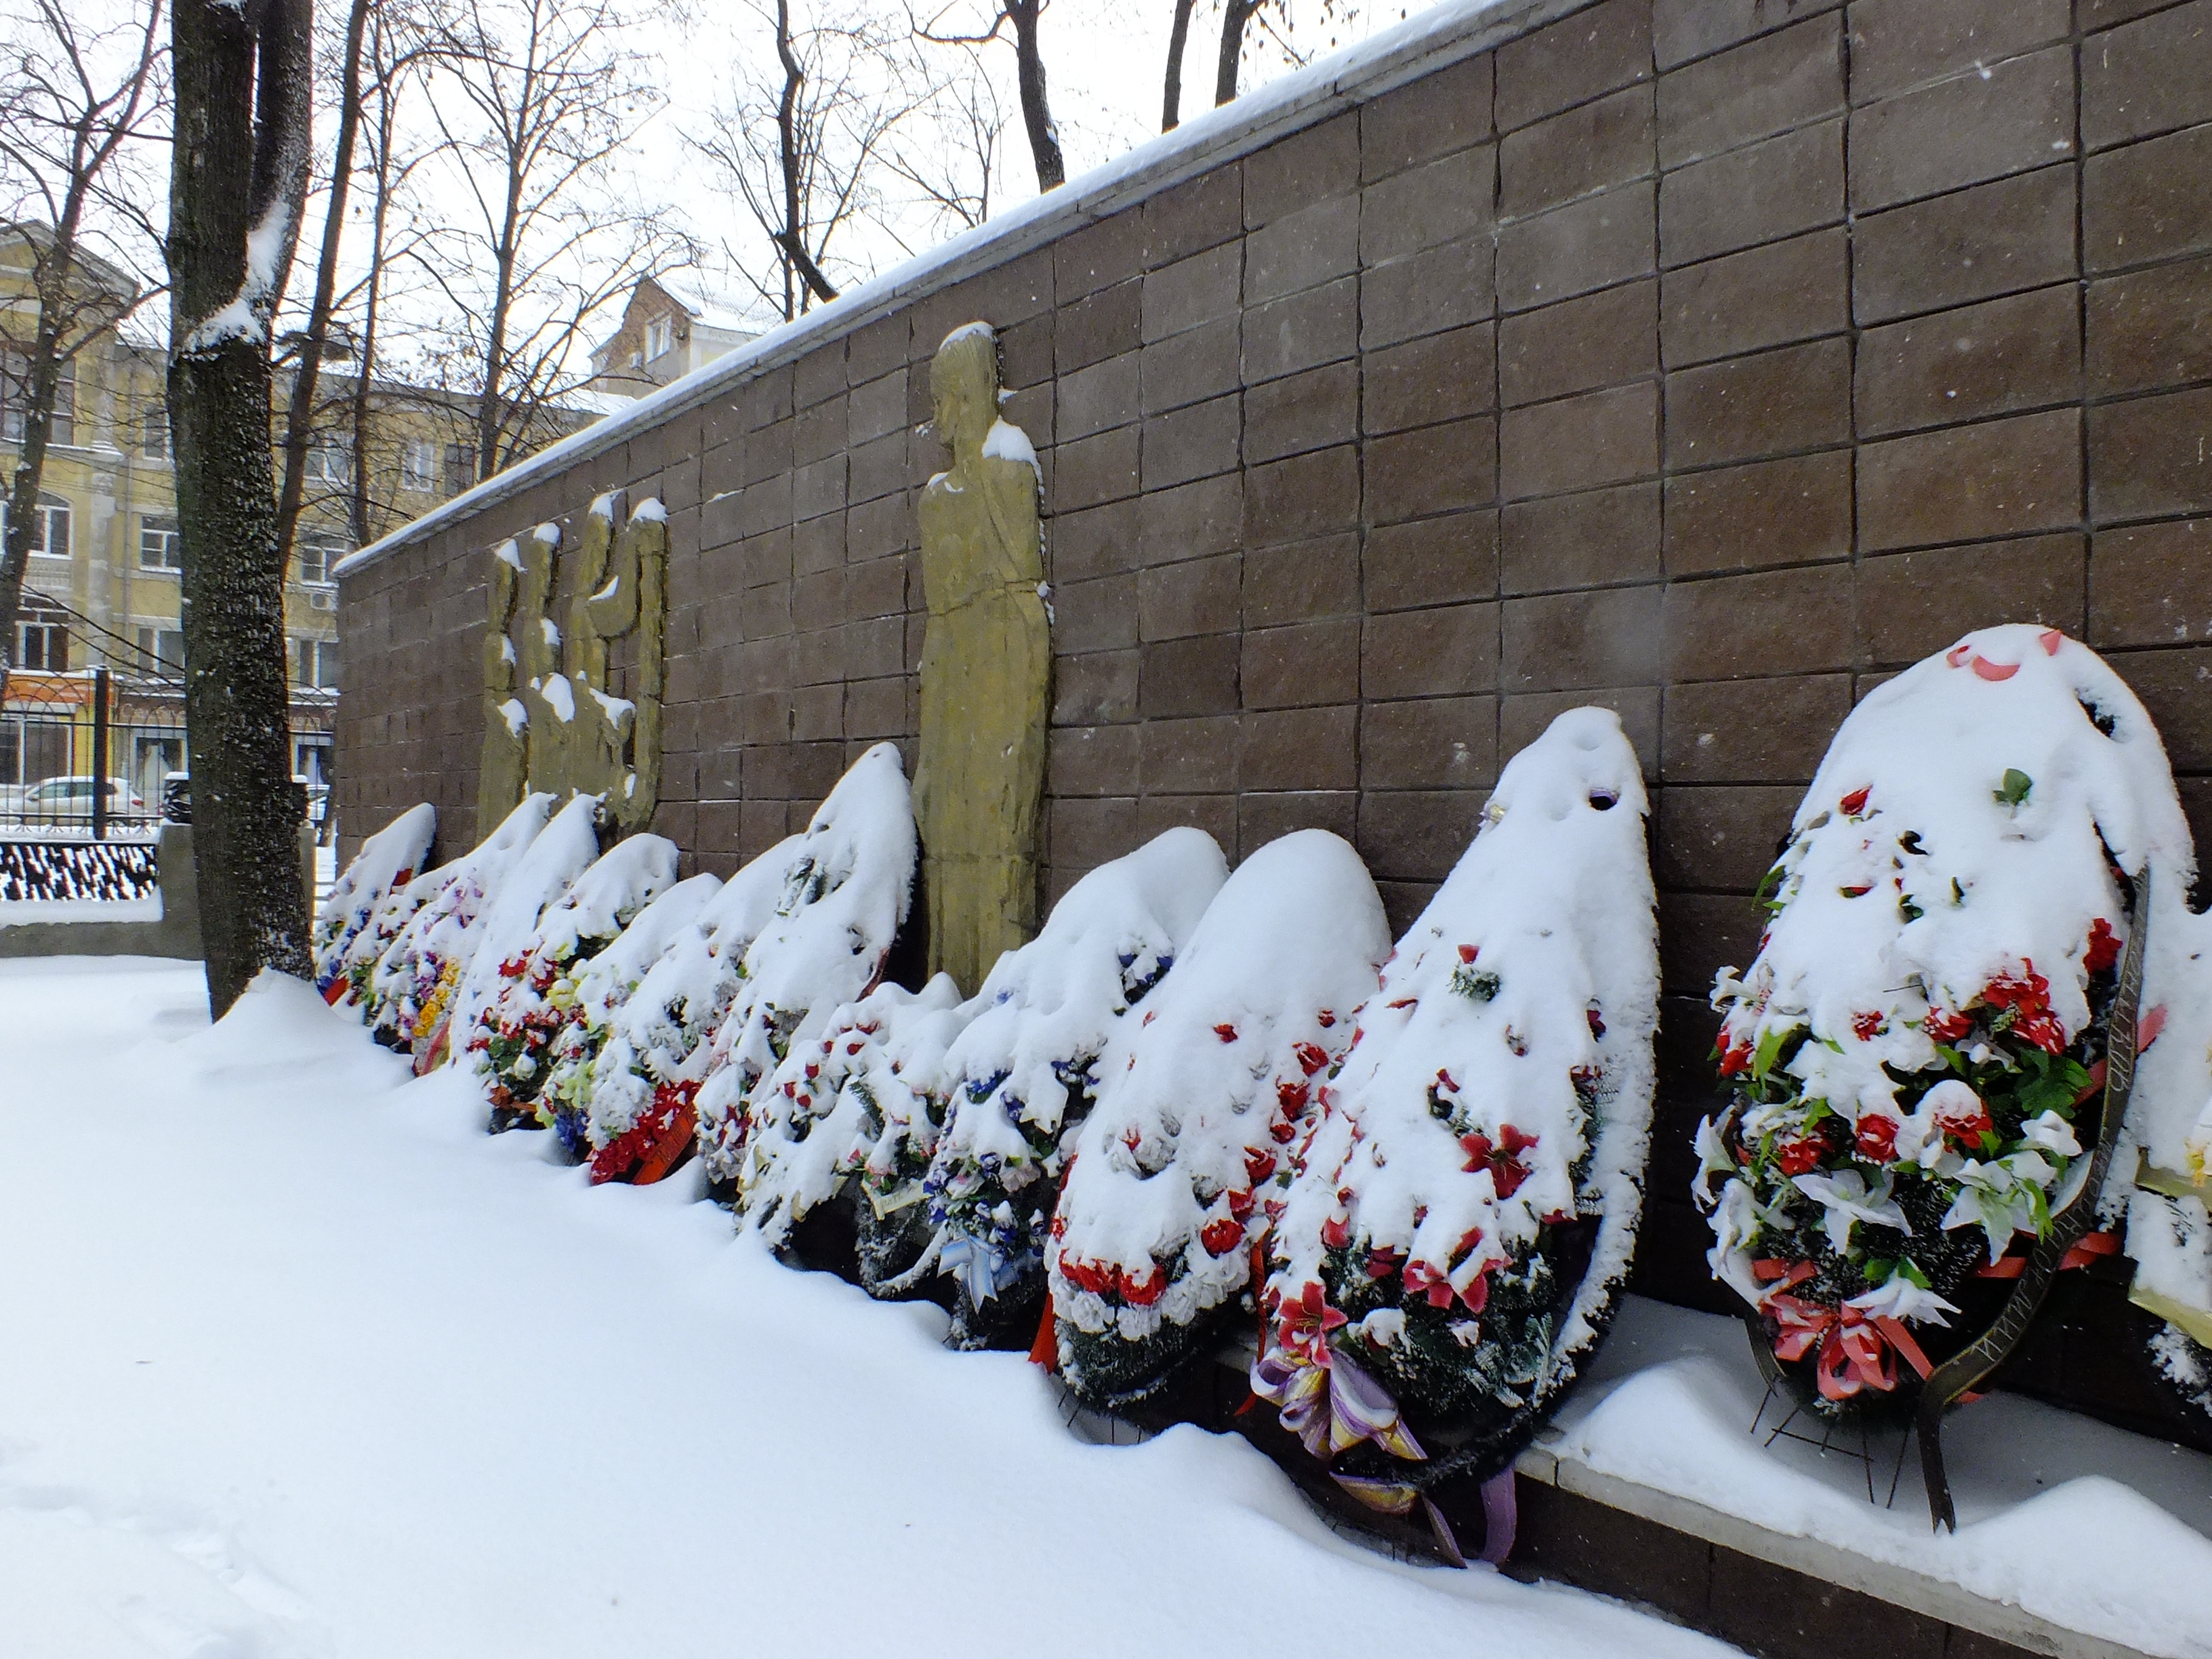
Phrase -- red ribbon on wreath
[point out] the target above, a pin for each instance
(1854, 1348)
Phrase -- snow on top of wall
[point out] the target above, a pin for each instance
(1442, 35)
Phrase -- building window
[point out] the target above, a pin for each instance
(42, 646)
(153, 430)
(330, 462)
(15, 397)
(32, 751)
(160, 544)
(318, 550)
(161, 652)
(660, 337)
(417, 464)
(315, 663)
(49, 536)
(460, 467)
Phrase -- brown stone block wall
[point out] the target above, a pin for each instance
(1708, 359)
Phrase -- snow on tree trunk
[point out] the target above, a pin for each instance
(387, 861)
(603, 990)
(243, 81)
(1460, 1221)
(1199, 1097)
(1024, 1072)
(1917, 1053)
(640, 1116)
(845, 896)
(539, 999)
(413, 988)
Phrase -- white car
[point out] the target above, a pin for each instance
(69, 800)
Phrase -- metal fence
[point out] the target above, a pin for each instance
(93, 748)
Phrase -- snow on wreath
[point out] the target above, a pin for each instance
(1918, 1055)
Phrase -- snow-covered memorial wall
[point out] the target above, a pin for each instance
(987, 720)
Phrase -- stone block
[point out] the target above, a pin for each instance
(1444, 651)
(1192, 520)
(1098, 326)
(1196, 596)
(1099, 542)
(1778, 187)
(1595, 539)
(1999, 478)
(1097, 687)
(1301, 664)
(1796, 398)
(1092, 760)
(1579, 57)
(1436, 561)
(1767, 85)
(1439, 202)
(2150, 330)
(1898, 44)
(1578, 443)
(1417, 834)
(1797, 289)
(1192, 442)
(2151, 457)
(1606, 637)
(1300, 749)
(1590, 244)
(1913, 604)
(1303, 331)
(2014, 116)
(1524, 718)
(1305, 496)
(1195, 676)
(1769, 731)
(1577, 152)
(1189, 218)
(1436, 743)
(1097, 399)
(1189, 756)
(1432, 469)
(1430, 117)
(1993, 358)
(1995, 238)
(1441, 378)
(1303, 249)
(1794, 511)
(1305, 580)
(1685, 29)
(1441, 288)
(1262, 818)
(2149, 77)
(1098, 256)
(2151, 584)
(1720, 839)
(1192, 291)
(1321, 161)
(1096, 470)
(1299, 413)
(1579, 345)
(1761, 625)
(2147, 201)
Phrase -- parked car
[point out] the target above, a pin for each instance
(69, 800)
(177, 798)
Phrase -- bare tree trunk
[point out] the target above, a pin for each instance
(95, 128)
(299, 416)
(1178, 38)
(791, 238)
(1234, 14)
(244, 87)
(1037, 110)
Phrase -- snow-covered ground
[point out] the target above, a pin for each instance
(295, 1360)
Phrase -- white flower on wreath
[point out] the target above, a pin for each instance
(1900, 1298)
(1848, 1198)
(2051, 1133)
(1999, 1197)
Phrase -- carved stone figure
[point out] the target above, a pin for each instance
(551, 721)
(985, 670)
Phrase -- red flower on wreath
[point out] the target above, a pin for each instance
(1221, 1236)
(1800, 1154)
(1303, 1322)
(1737, 1058)
(2104, 949)
(2028, 995)
(1854, 802)
(1946, 1026)
(1962, 1123)
(1866, 1027)
(1877, 1138)
(1503, 1160)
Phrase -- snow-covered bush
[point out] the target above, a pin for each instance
(1459, 1222)
(844, 898)
(387, 861)
(1023, 1073)
(603, 988)
(415, 979)
(1917, 1054)
(639, 1119)
(512, 1040)
(871, 1084)
(1199, 1098)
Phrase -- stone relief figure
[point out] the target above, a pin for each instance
(985, 670)
(551, 721)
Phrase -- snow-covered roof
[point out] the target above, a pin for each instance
(706, 304)
(1446, 34)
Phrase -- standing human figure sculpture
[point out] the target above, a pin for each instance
(985, 670)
